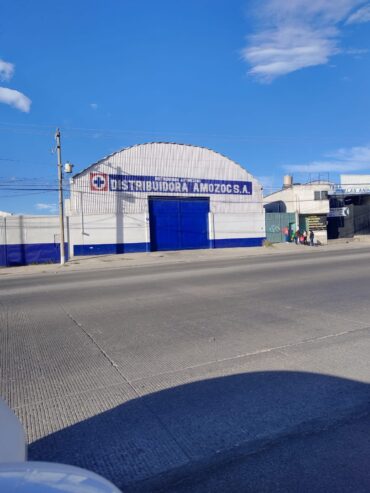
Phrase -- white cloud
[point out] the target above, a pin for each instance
(326, 166)
(359, 154)
(307, 10)
(94, 106)
(341, 161)
(279, 52)
(360, 16)
(11, 96)
(15, 98)
(6, 70)
(294, 34)
(52, 208)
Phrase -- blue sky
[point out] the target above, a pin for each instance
(277, 85)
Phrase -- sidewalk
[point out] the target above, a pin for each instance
(156, 258)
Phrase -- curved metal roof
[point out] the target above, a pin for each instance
(167, 143)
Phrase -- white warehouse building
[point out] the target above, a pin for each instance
(163, 196)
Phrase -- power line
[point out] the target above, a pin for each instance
(30, 189)
(47, 129)
(23, 194)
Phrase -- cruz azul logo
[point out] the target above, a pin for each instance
(98, 182)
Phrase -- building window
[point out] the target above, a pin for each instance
(321, 195)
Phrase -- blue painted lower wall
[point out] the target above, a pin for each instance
(114, 248)
(238, 242)
(110, 248)
(32, 253)
(41, 253)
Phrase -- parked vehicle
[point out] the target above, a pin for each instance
(17, 475)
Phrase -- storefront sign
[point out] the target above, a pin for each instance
(350, 190)
(316, 223)
(161, 184)
(339, 212)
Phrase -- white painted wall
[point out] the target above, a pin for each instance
(2, 232)
(301, 198)
(95, 229)
(29, 229)
(238, 225)
(321, 237)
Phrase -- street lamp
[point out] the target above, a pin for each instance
(68, 169)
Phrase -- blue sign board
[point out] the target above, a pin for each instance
(161, 184)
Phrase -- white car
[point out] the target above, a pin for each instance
(17, 475)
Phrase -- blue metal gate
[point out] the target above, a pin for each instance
(178, 224)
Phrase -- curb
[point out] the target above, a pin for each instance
(88, 264)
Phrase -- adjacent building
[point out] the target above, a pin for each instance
(349, 207)
(299, 206)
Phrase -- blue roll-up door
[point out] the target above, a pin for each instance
(178, 224)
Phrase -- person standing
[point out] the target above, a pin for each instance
(305, 237)
(312, 237)
(296, 237)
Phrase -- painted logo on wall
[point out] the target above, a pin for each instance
(161, 184)
(98, 182)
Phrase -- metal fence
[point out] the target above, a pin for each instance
(277, 223)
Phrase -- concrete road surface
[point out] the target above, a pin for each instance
(233, 374)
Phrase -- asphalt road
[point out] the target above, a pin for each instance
(228, 375)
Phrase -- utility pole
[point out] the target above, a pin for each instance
(61, 210)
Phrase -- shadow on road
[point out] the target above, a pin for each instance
(206, 425)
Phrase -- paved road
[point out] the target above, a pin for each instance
(208, 376)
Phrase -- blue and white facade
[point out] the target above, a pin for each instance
(164, 196)
(30, 240)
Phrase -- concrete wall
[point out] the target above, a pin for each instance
(237, 229)
(112, 233)
(29, 239)
(108, 233)
(31, 229)
(35, 239)
(321, 237)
